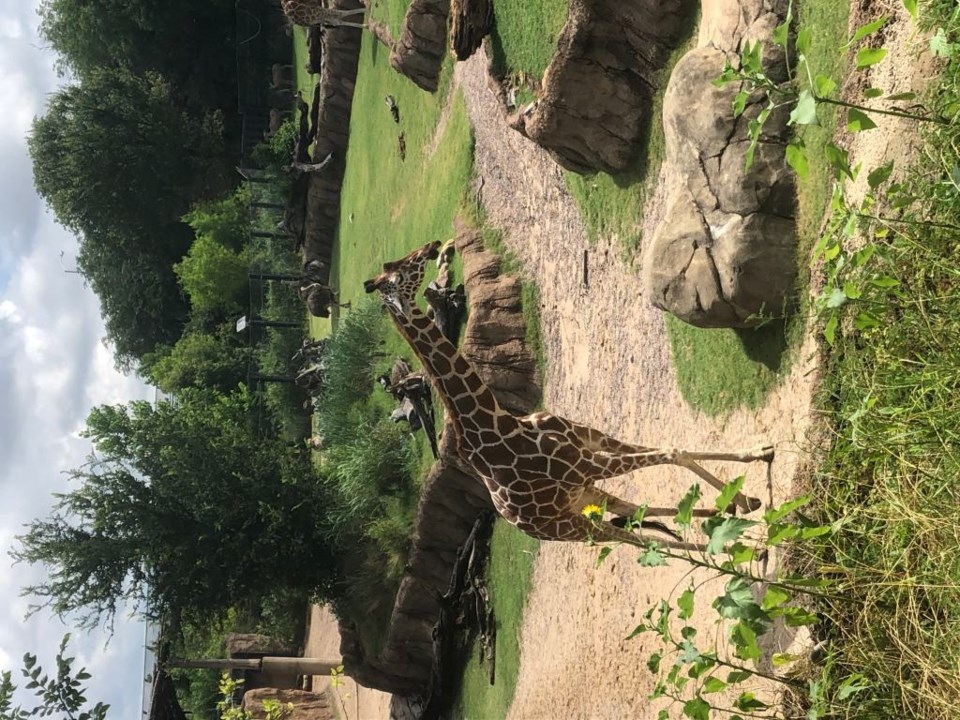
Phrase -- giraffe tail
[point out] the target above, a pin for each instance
(621, 522)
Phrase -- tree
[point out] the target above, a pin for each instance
(216, 360)
(119, 164)
(213, 276)
(182, 509)
(61, 695)
(189, 42)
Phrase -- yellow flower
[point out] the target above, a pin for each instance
(592, 512)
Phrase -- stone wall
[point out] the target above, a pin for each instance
(597, 99)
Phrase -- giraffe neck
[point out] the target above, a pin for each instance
(469, 402)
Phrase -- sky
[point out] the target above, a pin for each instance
(54, 367)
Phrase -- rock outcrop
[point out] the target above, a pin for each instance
(725, 253)
(597, 98)
(419, 51)
(306, 705)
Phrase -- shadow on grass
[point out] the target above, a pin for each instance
(766, 345)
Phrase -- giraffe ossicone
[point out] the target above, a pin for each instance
(540, 469)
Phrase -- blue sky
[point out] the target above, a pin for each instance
(53, 368)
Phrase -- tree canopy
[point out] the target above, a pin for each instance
(119, 164)
(183, 508)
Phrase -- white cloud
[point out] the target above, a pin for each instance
(53, 368)
(8, 312)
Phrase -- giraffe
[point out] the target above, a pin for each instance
(540, 469)
(312, 12)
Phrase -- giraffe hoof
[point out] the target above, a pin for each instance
(747, 504)
(753, 504)
(765, 453)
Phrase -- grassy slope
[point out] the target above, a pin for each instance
(893, 467)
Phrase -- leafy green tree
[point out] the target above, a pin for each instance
(119, 164)
(213, 276)
(183, 508)
(61, 695)
(191, 43)
(216, 360)
(226, 221)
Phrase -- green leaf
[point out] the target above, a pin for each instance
(696, 709)
(858, 121)
(690, 653)
(896, 97)
(748, 702)
(837, 298)
(884, 282)
(805, 111)
(684, 514)
(851, 685)
(779, 532)
(638, 630)
(685, 604)
(940, 46)
(803, 41)
(781, 659)
(774, 597)
(652, 558)
(795, 616)
(740, 102)
(740, 553)
(663, 715)
(745, 641)
(729, 490)
(824, 85)
(851, 290)
(777, 513)
(872, 93)
(808, 533)
(604, 553)
(866, 321)
(868, 57)
(781, 31)
(830, 329)
(867, 29)
(653, 663)
(724, 530)
(713, 685)
(797, 159)
(879, 175)
(911, 6)
(838, 158)
(738, 676)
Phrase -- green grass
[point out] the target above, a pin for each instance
(524, 36)
(719, 371)
(512, 555)
(828, 24)
(892, 470)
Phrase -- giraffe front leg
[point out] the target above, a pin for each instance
(602, 465)
(625, 510)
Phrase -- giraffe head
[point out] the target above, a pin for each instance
(400, 279)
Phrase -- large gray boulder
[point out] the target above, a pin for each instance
(725, 253)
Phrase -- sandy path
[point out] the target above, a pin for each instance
(608, 366)
(352, 701)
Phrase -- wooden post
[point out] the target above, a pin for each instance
(286, 665)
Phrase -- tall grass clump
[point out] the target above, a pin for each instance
(892, 471)
(371, 468)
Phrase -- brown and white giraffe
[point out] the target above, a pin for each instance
(312, 12)
(540, 469)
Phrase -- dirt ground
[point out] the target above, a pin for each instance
(608, 366)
